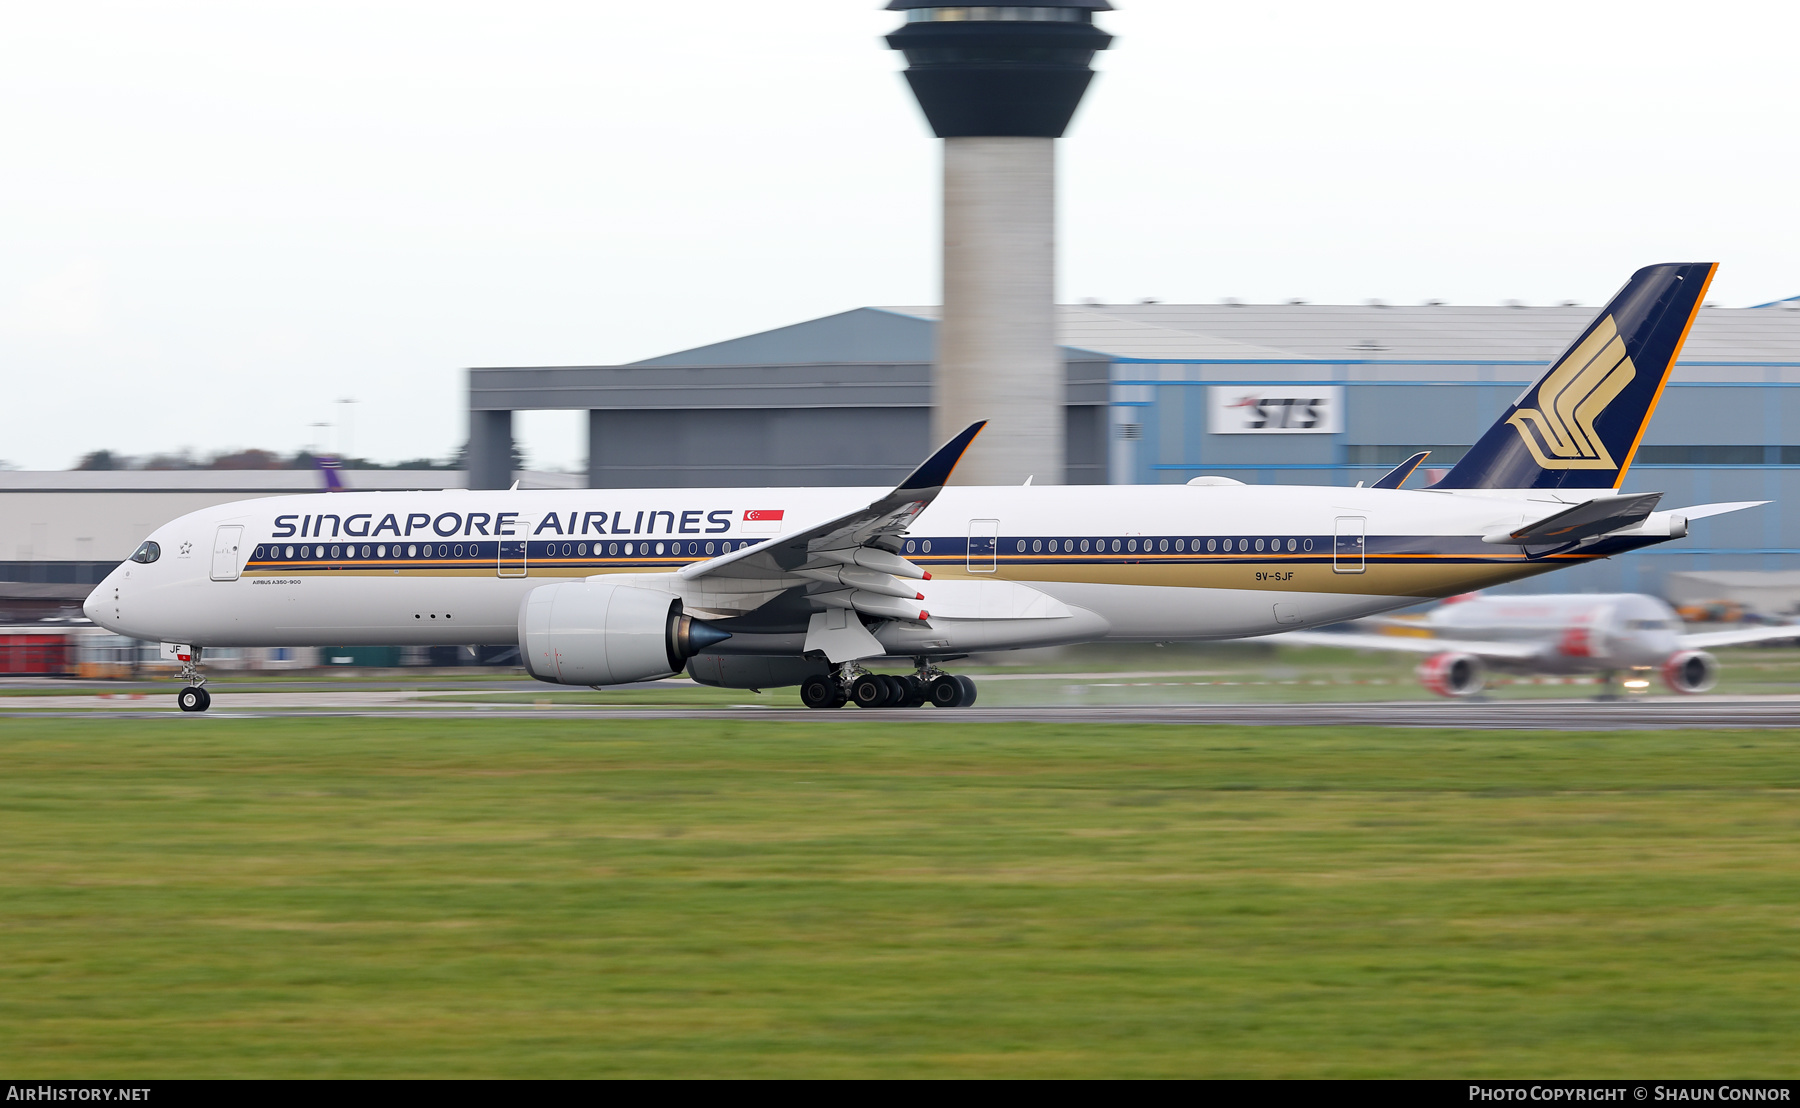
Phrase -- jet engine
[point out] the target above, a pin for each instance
(601, 632)
(1690, 671)
(1452, 674)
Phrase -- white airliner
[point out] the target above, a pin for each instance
(1579, 633)
(753, 588)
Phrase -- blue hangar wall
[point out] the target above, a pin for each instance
(1722, 432)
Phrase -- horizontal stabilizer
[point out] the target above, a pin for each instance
(1701, 511)
(1585, 520)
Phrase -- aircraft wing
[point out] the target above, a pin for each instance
(1411, 644)
(1397, 476)
(864, 528)
(1708, 639)
(850, 566)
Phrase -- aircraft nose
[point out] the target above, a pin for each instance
(95, 606)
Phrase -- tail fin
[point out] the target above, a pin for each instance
(1580, 424)
(328, 468)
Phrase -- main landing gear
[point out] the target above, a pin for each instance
(850, 682)
(194, 698)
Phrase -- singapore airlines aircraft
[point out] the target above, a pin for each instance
(1549, 633)
(753, 588)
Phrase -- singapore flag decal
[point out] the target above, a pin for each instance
(763, 521)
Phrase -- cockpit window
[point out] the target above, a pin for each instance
(147, 553)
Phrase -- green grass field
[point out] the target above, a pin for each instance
(351, 897)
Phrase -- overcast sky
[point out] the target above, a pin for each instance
(216, 220)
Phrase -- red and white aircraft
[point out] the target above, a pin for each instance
(1567, 633)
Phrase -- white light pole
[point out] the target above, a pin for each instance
(346, 424)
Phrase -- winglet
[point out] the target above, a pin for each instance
(935, 471)
(1397, 476)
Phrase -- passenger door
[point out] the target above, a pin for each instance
(984, 545)
(226, 565)
(1347, 545)
(512, 558)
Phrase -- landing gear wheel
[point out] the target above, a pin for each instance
(820, 691)
(896, 691)
(968, 688)
(870, 691)
(193, 699)
(916, 692)
(946, 691)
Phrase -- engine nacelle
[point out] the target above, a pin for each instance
(1452, 674)
(1690, 671)
(607, 632)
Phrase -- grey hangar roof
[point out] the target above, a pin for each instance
(1421, 333)
(845, 398)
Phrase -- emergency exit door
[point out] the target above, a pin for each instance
(226, 565)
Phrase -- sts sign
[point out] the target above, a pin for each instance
(1275, 410)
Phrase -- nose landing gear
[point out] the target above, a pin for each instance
(194, 698)
(850, 682)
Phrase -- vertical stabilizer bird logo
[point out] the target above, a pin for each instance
(1559, 432)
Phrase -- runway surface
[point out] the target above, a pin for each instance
(1646, 713)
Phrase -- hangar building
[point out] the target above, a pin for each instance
(1160, 393)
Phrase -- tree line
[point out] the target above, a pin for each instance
(262, 459)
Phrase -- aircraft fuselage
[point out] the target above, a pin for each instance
(1144, 563)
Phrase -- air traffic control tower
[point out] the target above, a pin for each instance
(999, 85)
